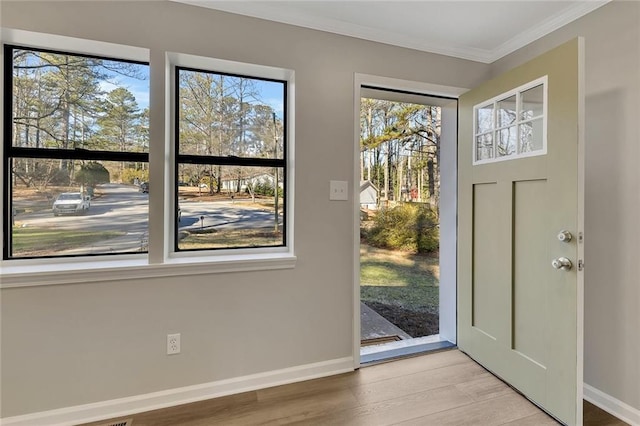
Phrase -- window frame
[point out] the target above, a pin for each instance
(11, 152)
(280, 163)
(495, 128)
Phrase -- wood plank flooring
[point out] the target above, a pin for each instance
(594, 416)
(444, 388)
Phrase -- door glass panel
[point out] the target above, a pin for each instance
(507, 141)
(531, 136)
(507, 111)
(484, 119)
(484, 147)
(512, 124)
(532, 103)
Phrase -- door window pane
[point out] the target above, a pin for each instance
(507, 142)
(532, 103)
(531, 136)
(507, 111)
(484, 147)
(484, 119)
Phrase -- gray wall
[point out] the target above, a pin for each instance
(612, 197)
(73, 344)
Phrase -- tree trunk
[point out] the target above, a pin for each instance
(432, 182)
(386, 179)
(399, 173)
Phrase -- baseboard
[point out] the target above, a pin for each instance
(152, 401)
(617, 408)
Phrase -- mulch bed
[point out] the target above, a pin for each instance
(415, 324)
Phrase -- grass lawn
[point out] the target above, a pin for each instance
(46, 241)
(398, 278)
(213, 238)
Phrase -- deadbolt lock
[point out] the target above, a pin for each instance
(565, 236)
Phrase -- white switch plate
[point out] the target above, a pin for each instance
(338, 190)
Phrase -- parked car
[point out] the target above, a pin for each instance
(71, 203)
(144, 187)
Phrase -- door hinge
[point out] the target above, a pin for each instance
(580, 265)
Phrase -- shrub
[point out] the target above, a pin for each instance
(129, 176)
(92, 174)
(60, 178)
(408, 226)
(266, 189)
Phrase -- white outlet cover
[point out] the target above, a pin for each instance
(338, 190)
(173, 344)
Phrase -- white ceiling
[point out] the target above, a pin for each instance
(478, 30)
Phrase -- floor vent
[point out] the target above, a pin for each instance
(127, 422)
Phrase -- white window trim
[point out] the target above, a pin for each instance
(92, 270)
(73, 45)
(174, 60)
(495, 128)
(160, 261)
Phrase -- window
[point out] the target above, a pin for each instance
(231, 157)
(512, 125)
(85, 159)
(75, 148)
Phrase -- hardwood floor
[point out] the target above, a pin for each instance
(594, 416)
(445, 388)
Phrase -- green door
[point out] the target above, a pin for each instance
(520, 225)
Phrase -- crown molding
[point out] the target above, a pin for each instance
(545, 27)
(266, 10)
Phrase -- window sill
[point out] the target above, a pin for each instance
(29, 274)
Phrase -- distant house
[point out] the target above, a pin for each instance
(231, 185)
(368, 195)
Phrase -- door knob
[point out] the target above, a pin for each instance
(564, 236)
(562, 263)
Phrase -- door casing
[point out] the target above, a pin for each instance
(448, 199)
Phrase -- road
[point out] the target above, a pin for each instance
(116, 207)
(224, 215)
(123, 208)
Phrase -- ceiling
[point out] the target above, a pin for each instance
(477, 30)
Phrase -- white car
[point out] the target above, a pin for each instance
(71, 203)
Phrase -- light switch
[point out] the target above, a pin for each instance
(338, 190)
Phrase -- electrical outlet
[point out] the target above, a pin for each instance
(173, 344)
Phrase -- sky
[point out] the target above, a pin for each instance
(139, 87)
(271, 93)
